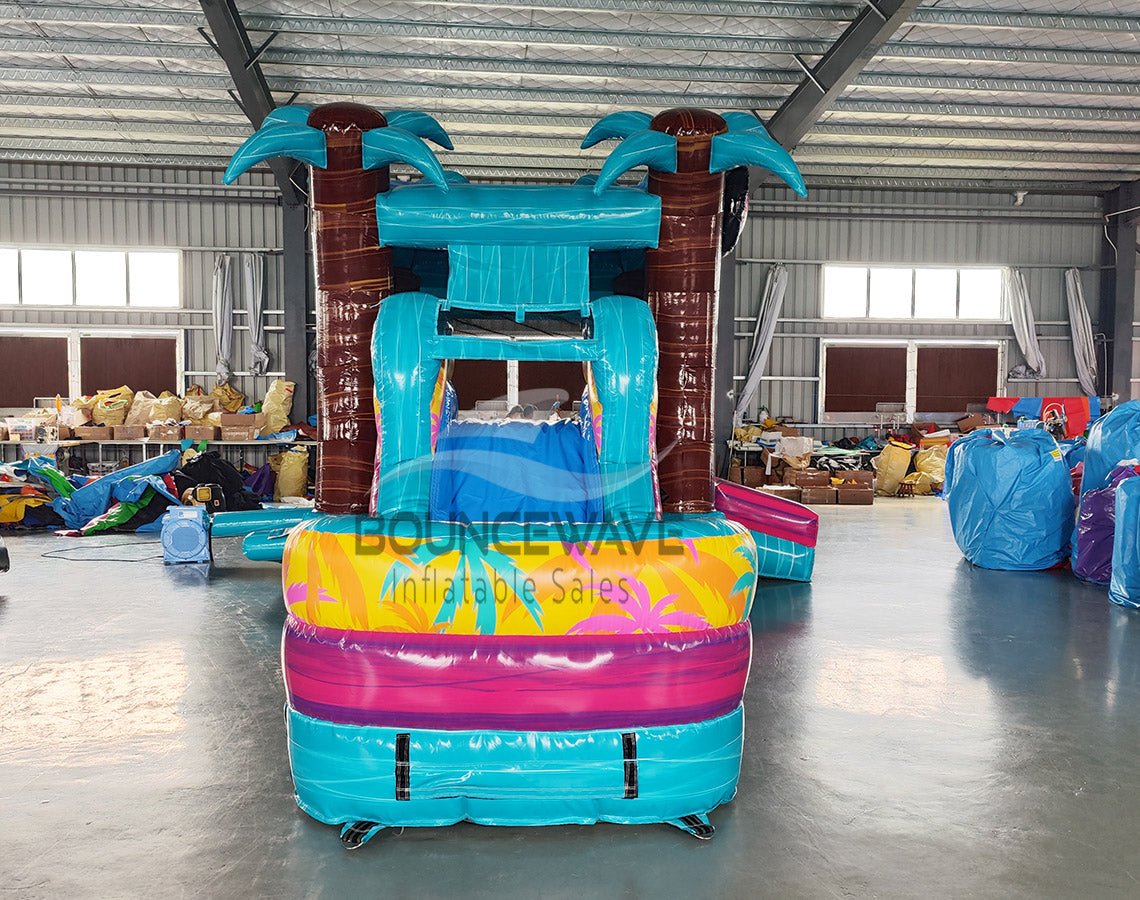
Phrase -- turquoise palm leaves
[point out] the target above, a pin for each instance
(747, 143)
(489, 576)
(286, 132)
(639, 146)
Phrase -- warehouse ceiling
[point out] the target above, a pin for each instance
(1032, 92)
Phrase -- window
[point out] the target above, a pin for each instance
(37, 276)
(47, 277)
(100, 278)
(9, 275)
(979, 293)
(893, 292)
(154, 278)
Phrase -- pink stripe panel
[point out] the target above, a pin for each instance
(515, 683)
(767, 514)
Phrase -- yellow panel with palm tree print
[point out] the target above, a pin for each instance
(686, 573)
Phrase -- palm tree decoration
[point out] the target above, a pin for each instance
(687, 152)
(348, 148)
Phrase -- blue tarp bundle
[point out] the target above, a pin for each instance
(1124, 589)
(1112, 439)
(93, 499)
(515, 471)
(1010, 499)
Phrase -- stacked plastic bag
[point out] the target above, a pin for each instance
(1096, 526)
(1124, 588)
(1010, 499)
(1112, 439)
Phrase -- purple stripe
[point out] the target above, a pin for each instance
(543, 683)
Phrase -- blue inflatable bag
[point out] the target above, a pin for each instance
(1113, 438)
(1010, 499)
(1124, 589)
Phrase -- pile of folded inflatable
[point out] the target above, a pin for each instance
(34, 493)
(1012, 504)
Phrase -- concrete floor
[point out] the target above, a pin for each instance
(915, 727)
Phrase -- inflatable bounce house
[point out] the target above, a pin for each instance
(520, 622)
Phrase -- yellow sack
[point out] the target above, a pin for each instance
(229, 397)
(291, 466)
(111, 407)
(891, 467)
(921, 482)
(931, 461)
(196, 407)
(277, 406)
(139, 413)
(195, 390)
(166, 407)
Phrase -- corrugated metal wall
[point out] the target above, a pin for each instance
(1043, 236)
(103, 206)
(106, 206)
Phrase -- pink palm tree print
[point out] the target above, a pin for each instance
(639, 613)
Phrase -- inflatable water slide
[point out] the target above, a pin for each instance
(516, 621)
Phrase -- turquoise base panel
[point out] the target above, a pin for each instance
(781, 558)
(349, 773)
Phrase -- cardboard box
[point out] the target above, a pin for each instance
(65, 433)
(817, 496)
(807, 477)
(787, 491)
(786, 430)
(93, 432)
(201, 432)
(972, 422)
(753, 476)
(171, 433)
(238, 433)
(856, 476)
(129, 432)
(854, 495)
(243, 420)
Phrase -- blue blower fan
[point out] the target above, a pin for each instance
(186, 535)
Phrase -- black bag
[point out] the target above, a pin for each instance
(210, 468)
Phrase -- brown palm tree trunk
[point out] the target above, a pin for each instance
(353, 274)
(682, 277)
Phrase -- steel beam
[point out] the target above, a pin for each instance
(441, 91)
(774, 46)
(296, 303)
(949, 16)
(233, 46)
(837, 69)
(724, 396)
(825, 73)
(1119, 284)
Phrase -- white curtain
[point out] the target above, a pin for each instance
(253, 294)
(1024, 326)
(223, 316)
(1080, 324)
(770, 305)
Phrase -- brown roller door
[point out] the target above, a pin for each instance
(479, 379)
(859, 377)
(32, 367)
(951, 377)
(542, 382)
(143, 364)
